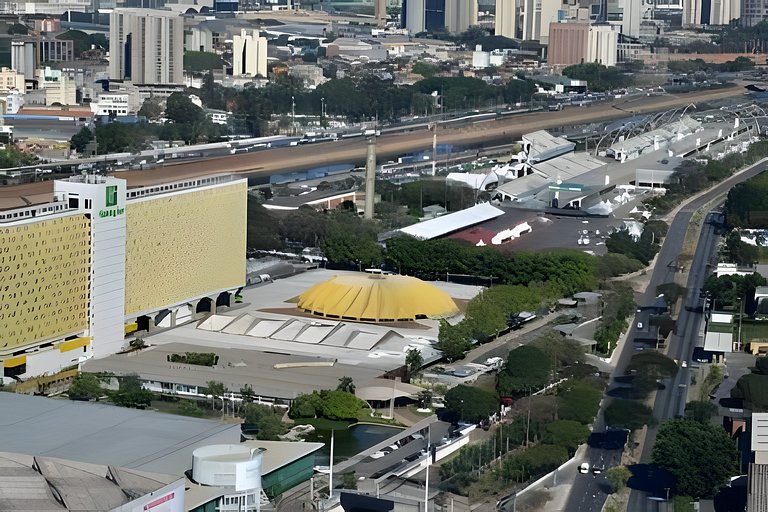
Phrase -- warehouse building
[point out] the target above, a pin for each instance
(94, 260)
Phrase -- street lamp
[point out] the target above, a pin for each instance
(293, 115)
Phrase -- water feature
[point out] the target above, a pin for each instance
(349, 441)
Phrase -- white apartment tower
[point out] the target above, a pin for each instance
(146, 46)
(249, 54)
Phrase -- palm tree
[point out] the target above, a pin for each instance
(346, 384)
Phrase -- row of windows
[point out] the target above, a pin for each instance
(178, 186)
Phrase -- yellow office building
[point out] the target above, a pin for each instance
(77, 268)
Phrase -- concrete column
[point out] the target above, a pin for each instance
(370, 178)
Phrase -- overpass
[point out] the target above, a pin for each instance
(260, 166)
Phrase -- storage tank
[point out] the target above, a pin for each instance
(228, 465)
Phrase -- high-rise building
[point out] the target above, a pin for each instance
(23, 57)
(249, 54)
(603, 44)
(567, 43)
(380, 11)
(146, 46)
(430, 15)
(723, 12)
(506, 18)
(536, 17)
(93, 259)
(631, 14)
(460, 15)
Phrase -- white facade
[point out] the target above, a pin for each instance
(236, 468)
(146, 46)
(104, 199)
(14, 101)
(480, 59)
(249, 54)
(602, 44)
(111, 104)
(722, 12)
(506, 13)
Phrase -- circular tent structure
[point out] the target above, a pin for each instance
(377, 298)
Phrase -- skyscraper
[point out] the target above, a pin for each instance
(435, 15)
(146, 46)
(249, 54)
(506, 15)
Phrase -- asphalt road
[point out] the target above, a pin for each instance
(586, 493)
(353, 151)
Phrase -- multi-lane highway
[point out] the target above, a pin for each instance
(486, 133)
(589, 492)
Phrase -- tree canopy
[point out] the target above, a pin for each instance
(85, 386)
(528, 369)
(567, 433)
(702, 456)
(598, 77)
(470, 403)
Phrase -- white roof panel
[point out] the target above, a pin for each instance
(718, 341)
(265, 328)
(440, 226)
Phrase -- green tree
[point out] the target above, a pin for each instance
(85, 386)
(350, 239)
(528, 369)
(340, 405)
(180, 109)
(309, 405)
(346, 384)
(618, 476)
(700, 410)
(453, 340)
(151, 109)
(80, 140)
(413, 360)
(425, 399)
(131, 393)
(425, 69)
(470, 403)
(202, 61)
(247, 394)
(349, 481)
(267, 421)
(628, 414)
(216, 390)
(578, 400)
(567, 433)
(701, 456)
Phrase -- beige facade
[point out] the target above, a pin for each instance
(567, 43)
(249, 54)
(460, 15)
(184, 245)
(506, 13)
(146, 46)
(10, 80)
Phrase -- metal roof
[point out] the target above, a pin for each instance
(47, 484)
(451, 222)
(106, 434)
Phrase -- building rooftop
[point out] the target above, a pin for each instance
(544, 145)
(278, 454)
(106, 434)
(451, 222)
(47, 484)
(274, 375)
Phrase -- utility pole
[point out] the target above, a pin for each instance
(293, 115)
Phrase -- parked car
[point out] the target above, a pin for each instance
(584, 468)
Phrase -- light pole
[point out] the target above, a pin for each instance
(322, 111)
(293, 115)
